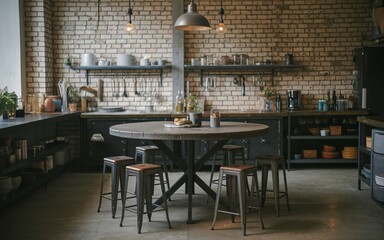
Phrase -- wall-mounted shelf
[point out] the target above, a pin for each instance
(248, 69)
(105, 70)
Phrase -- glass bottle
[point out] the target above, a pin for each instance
(179, 103)
(278, 103)
(334, 100)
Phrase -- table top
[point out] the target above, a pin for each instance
(157, 131)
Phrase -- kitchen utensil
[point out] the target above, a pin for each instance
(124, 92)
(100, 90)
(135, 87)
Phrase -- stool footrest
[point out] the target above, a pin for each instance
(228, 212)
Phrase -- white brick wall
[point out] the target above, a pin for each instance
(320, 34)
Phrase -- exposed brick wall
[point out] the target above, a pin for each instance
(320, 34)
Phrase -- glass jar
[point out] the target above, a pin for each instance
(268, 104)
(214, 118)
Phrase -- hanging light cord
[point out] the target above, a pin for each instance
(130, 12)
(221, 12)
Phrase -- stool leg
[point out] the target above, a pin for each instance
(255, 184)
(140, 183)
(164, 199)
(165, 167)
(264, 179)
(276, 190)
(241, 191)
(124, 191)
(115, 188)
(212, 172)
(218, 193)
(286, 186)
(149, 190)
(101, 188)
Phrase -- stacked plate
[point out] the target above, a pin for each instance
(125, 60)
(380, 179)
(349, 152)
(329, 152)
(88, 59)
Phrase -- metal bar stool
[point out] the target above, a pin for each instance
(148, 154)
(144, 186)
(117, 165)
(273, 162)
(229, 152)
(238, 174)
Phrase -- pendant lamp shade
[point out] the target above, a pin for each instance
(192, 20)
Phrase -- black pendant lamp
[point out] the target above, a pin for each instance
(220, 27)
(192, 20)
(130, 28)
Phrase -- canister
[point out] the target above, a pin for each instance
(56, 102)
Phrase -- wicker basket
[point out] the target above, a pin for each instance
(335, 130)
(309, 153)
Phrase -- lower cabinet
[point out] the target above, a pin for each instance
(270, 142)
(98, 143)
(323, 137)
(33, 150)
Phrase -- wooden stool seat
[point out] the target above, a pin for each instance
(238, 168)
(143, 167)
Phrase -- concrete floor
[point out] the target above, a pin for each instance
(325, 205)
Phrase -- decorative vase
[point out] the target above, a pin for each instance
(268, 105)
(196, 118)
(72, 107)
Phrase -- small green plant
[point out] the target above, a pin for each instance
(193, 104)
(68, 61)
(269, 93)
(73, 94)
(8, 101)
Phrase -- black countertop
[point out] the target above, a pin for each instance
(32, 118)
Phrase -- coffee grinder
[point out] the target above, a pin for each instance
(294, 99)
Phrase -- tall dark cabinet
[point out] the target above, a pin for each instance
(369, 62)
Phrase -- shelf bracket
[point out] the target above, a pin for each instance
(201, 77)
(87, 76)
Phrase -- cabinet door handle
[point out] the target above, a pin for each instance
(263, 140)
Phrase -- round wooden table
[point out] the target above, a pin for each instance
(157, 132)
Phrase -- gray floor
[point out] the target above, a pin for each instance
(325, 205)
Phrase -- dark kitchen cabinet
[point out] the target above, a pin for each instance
(270, 142)
(47, 141)
(97, 143)
(305, 145)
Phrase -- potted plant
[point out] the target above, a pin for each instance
(268, 94)
(8, 102)
(73, 98)
(194, 110)
(68, 62)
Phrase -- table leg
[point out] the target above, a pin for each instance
(189, 177)
(190, 171)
